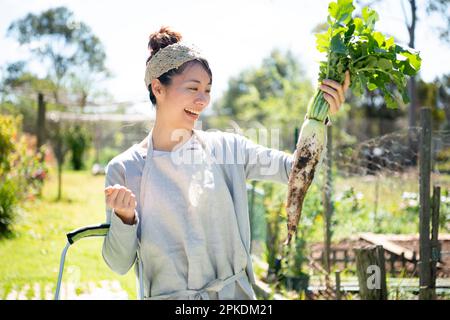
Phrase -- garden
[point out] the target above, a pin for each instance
(379, 196)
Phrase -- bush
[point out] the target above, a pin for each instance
(21, 172)
(78, 140)
(8, 133)
(8, 202)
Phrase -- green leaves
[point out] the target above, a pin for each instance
(379, 38)
(341, 11)
(413, 59)
(374, 60)
(371, 86)
(370, 17)
(338, 45)
(323, 41)
(407, 60)
(384, 64)
(389, 43)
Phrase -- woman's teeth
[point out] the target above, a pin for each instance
(192, 111)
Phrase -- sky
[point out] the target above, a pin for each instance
(233, 35)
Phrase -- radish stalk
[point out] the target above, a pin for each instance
(310, 145)
(309, 150)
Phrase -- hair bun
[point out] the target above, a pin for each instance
(162, 38)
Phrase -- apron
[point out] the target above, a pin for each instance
(191, 243)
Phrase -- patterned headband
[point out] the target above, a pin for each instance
(170, 57)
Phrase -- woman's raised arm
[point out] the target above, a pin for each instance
(120, 244)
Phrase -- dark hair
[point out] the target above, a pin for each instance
(161, 39)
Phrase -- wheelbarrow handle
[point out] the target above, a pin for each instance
(99, 230)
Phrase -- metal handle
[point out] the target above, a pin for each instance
(99, 230)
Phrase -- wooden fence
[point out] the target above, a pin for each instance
(394, 264)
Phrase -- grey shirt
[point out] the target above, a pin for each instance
(237, 158)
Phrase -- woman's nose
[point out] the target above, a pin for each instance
(202, 99)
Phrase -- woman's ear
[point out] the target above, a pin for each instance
(158, 89)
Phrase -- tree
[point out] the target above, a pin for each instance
(443, 96)
(68, 48)
(58, 136)
(74, 60)
(274, 94)
(19, 81)
(441, 7)
(435, 95)
(20, 89)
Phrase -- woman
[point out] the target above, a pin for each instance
(188, 219)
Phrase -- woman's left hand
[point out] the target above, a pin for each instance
(334, 92)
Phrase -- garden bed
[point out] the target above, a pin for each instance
(343, 256)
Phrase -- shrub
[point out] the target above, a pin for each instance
(8, 133)
(78, 140)
(8, 202)
(21, 171)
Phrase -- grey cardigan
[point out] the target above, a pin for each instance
(239, 158)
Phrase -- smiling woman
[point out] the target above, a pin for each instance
(179, 81)
(178, 200)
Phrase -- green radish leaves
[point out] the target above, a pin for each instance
(341, 11)
(338, 45)
(370, 17)
(374, 60)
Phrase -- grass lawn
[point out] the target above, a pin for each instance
(32, 256)
(391, 217)
(364, 212)
(391, 188)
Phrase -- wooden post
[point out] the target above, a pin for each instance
(345, 258)
(424, 218)
(328, 205)
(370, 268)
(414, 260)
(338, 285)
(435, 248)
(40, 129)
(392, 263)
(403, 260)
